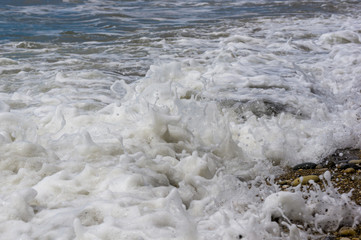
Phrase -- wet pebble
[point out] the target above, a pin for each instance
(347, 231)
(341, 156)
(285, 182)
(320, 167)
(349, 170)
(349, 165)
(358, 161)
(305, 180)
(306, 165)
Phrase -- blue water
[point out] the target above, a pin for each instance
(136, 27)
(103, 21)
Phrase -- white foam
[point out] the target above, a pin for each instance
(183, 152)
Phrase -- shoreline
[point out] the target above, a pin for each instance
(344, 172)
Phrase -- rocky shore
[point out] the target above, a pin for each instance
(344, 167)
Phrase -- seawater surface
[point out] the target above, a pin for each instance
(162, 119)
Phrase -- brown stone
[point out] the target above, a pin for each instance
(349, 170)
(347, 231)
(319, 166)
(323, 169)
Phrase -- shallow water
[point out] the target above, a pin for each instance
(161, 120)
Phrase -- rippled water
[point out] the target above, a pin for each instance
(161, 120)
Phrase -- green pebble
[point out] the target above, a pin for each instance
(305, 180)
(346, 231)
(355, 161)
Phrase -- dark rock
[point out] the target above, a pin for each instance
(340, 156)
(349, 165)
(328, 164)
(329, 238)
(306, 165)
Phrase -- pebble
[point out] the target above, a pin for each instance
(355, 161)
(323, 169)
(347, 231)
(319, 166)
(349, 170)
(349, 165)
(306, 165)
(285, 182)
(305, 180)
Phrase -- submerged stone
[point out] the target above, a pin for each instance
(306, 165)
(340, 156)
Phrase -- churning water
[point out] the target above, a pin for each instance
(161, 119)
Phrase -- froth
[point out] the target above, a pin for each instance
(183, 153)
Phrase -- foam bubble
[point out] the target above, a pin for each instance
(184, 151)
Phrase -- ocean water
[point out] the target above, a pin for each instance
(163, 119)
